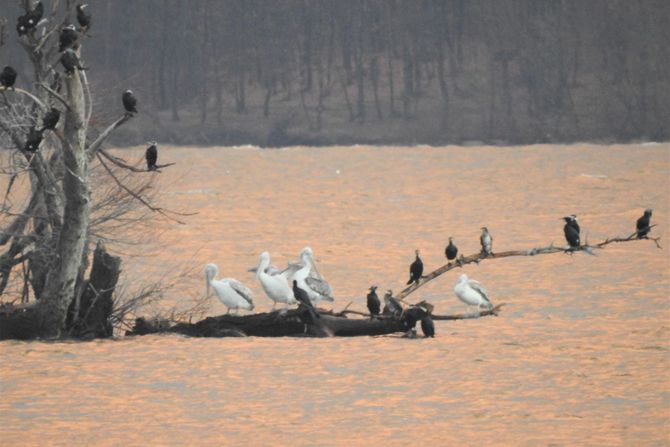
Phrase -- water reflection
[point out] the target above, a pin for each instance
(579, 355)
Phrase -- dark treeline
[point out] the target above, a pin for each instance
(381, 71)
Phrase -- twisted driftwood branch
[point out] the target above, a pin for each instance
(479, 257)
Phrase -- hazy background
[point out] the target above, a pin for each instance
(373, 71)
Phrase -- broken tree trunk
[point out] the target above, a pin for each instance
(24, 322)
(91, 317)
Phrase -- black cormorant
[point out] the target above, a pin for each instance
(34, 16)
(574, 222)
(303, 299)
(151, 155)
(374, 305)
(33, 140)
(50, 119)
(415, 269)
(70, 61)
(68, 38)
(643, 224)
(30, 19)
(83, 18)
(486, 241)
(412, 316)
(571, 231)
(427, 326)
(451, 251)
(8, 77)
(129, 101)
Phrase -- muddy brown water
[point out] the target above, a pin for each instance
(578, 356)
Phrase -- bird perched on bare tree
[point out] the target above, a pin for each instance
(83, 18)
(486, 241)
(451, 250)
(68, 38)
(129, 101)
(571, 230)
(415, 269)
(151, 156)
(33, 140)
(30, 19)
(70, 61)
(50, 119)
(8, 77)
(643, 224)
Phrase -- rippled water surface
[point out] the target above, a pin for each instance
(578, 356)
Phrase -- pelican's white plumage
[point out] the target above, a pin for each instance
(472, 293)
(274, 284)
(232, 293)
(310, 280)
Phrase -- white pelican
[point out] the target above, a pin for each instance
(472, 293)
(232, 293)
(310, 280)
(275, 284)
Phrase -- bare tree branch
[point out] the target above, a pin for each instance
(144, 202)
(95, 146)
(479, 257)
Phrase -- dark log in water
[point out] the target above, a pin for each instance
(293, 323)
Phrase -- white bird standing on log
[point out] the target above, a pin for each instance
(310, 280)
(232, 293)
(472, 293)
(275, 285)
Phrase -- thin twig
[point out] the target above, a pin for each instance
(55, 94)
(93, 147)
(144, 202)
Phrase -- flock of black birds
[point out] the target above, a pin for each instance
(414, 314)
(68, 46)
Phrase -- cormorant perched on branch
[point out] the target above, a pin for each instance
(303, 298)
(427, 326)
(68, 38)
(451, 251)
(83, 18)
(129, 101)
(571, 230)
(151, 155)
(30, 19)
(486, 241)
(70, 61)
(33, 140)
(643, 224)
(8, 77)
(50, 119)
(374, 305)
(415, 269)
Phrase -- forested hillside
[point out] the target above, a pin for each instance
(378, 71)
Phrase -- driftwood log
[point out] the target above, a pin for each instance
(275, 324)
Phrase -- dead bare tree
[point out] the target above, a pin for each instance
(48, 239)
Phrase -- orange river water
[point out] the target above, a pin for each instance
(579, 355)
